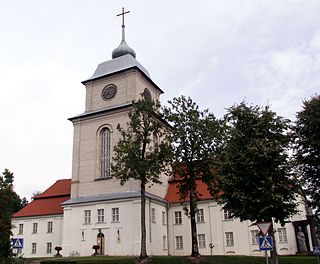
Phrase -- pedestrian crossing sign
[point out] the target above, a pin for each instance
(316, 250)
(17, 242)
(265, 243)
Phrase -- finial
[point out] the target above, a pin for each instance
(122, 14)
(123, 48)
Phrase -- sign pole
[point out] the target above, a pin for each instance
(318, 258)
(266, 253)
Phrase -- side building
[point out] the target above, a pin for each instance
(40, 223)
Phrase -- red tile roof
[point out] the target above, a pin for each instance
(48, 202)
(173, 191)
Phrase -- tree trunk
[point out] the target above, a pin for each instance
(274, 255)
(194, 239)
(143, 252)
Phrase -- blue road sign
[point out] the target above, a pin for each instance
(17, 242)
(316, 250)
(265, 243)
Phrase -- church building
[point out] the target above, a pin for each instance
(94, 209)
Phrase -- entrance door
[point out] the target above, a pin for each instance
(100, 242)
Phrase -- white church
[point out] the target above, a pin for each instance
(92, 208)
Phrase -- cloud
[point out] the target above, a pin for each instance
(283, 77)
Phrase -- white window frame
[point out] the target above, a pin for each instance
(100, 213)
(229, 239)
(164, 242)
(178, 217)
(49, 247)
(34, 228)
(226, 214)
(50, 227)
(20, 229)
(87, 216)
(179, 242)
(254, 237)
(282, 234)
(164, 218)
(34, 248)
(105, 153)
(202, 240)
(200, 215)
(116, 214)
(153, 215)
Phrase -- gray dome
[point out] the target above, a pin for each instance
(123, 49)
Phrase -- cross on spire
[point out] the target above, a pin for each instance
(122, 14)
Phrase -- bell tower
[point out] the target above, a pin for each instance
(109, 95)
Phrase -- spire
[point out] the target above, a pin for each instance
(123, 48)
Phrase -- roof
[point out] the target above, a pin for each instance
(115, 65)
(110, 197)
(120, 64)
(173, 191)
(49, 202)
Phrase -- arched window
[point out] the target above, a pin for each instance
(105, 155)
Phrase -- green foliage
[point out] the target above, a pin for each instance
(142, 152)
(255, 172)
(194, 139)
(307, 149)
(10, 203)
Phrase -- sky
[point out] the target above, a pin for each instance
(218, 52)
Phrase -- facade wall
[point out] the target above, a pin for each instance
(216, 227)
(120, 237)
(130, 85)
(42, 237)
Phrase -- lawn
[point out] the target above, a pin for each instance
(181, 260)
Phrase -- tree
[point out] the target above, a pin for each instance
(255, 177)
(10, 203)
(142, 152)
(307, 157)
(307, 149)
(194, 140)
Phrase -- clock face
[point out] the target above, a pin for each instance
(109, 92)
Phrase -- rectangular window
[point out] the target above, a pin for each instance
(229, 239)
(164, 220)
(100, 215)
(200, 216)
(178, 218)
(179, 242)
(49, 227)
(226, 214)
(87, 216)
(115, 215)
(20, 229)
(49, 248)
(282, 235)
(153, 215)
(201, 240)
(34, 248)
(35, 228)
(164, 242)
(254, 237)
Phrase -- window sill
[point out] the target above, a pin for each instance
(201, 222)
(86, 223)
(97, 223)
(115, 222)
(103, 179)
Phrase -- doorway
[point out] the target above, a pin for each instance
(101, 243)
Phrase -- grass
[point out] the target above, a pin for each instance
(181, 260)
